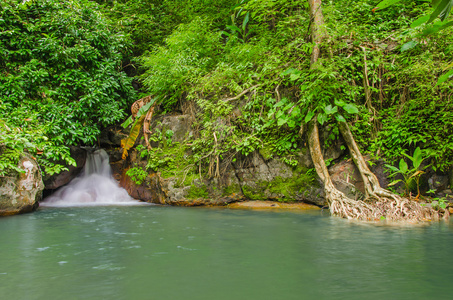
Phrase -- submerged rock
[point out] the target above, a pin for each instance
(21, 192)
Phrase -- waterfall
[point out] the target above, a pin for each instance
(95, 186)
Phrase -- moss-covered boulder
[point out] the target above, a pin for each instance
(20, 192)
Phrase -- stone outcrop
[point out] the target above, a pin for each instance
(255, 177)
(21, 192)
(258, 176)
(55, 181)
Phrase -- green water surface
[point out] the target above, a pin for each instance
(155, 252)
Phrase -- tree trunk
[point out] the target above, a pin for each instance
(317, 29)
(380, 202)
(317, 24)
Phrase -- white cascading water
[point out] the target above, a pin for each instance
(95, 186)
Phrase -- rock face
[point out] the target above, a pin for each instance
(258, 176)
(58, 180)
(255, 176)
(21, 193)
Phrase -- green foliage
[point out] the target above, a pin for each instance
(149, 22)
(137, 174)
(441, 10)
(411, 176)
(61, 78)
(196, 192)
(187, 54)
(248, 81)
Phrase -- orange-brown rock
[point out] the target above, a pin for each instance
(272, 205)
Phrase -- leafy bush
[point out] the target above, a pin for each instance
(188, 54)
(60, 79)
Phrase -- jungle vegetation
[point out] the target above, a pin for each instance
(67, 72)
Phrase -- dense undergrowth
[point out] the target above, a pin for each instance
(241, 68)
(60, 80)
(252, 73)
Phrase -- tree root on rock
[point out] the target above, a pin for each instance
(379, 204)
(390, 209)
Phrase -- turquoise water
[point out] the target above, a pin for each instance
(155, 252)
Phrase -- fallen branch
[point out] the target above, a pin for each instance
(241, 94)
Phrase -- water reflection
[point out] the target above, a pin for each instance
(183, 253)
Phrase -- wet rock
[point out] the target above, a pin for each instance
(257, 176)
(112, 136)
(179, 125)
(58, 180)
(438, 182)
(274, 180)
(346, 177)
(21, 192)
(150, 190)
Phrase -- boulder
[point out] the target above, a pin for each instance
(58, 180)
(21, 192)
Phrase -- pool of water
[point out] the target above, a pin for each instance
(156, 252)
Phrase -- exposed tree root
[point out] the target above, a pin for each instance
(379, 203)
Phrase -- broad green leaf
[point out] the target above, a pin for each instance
(127, 122)
(385, 4)
(289, 71)
(144, 109)
(442, 10)
(233, 28)
(420, 21)
(225, 33)
(403, 166)
(246, 20)
(394, 182)
(417, 158)
(279, 103)
(340, 103)
(392, 168)
(291, 123)
(296, 112)
(129, 142)
(351, 108)
(294, 76)
(329, 109)
(409, 45)
(281, 121)
(322, 118)
(288, 106)
(340, 118)
(270, 113)
(309, 116)
(435, 27)
(445, 77)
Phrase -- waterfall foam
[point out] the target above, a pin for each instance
(95, 186)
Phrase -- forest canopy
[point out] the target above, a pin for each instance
(61, 79)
